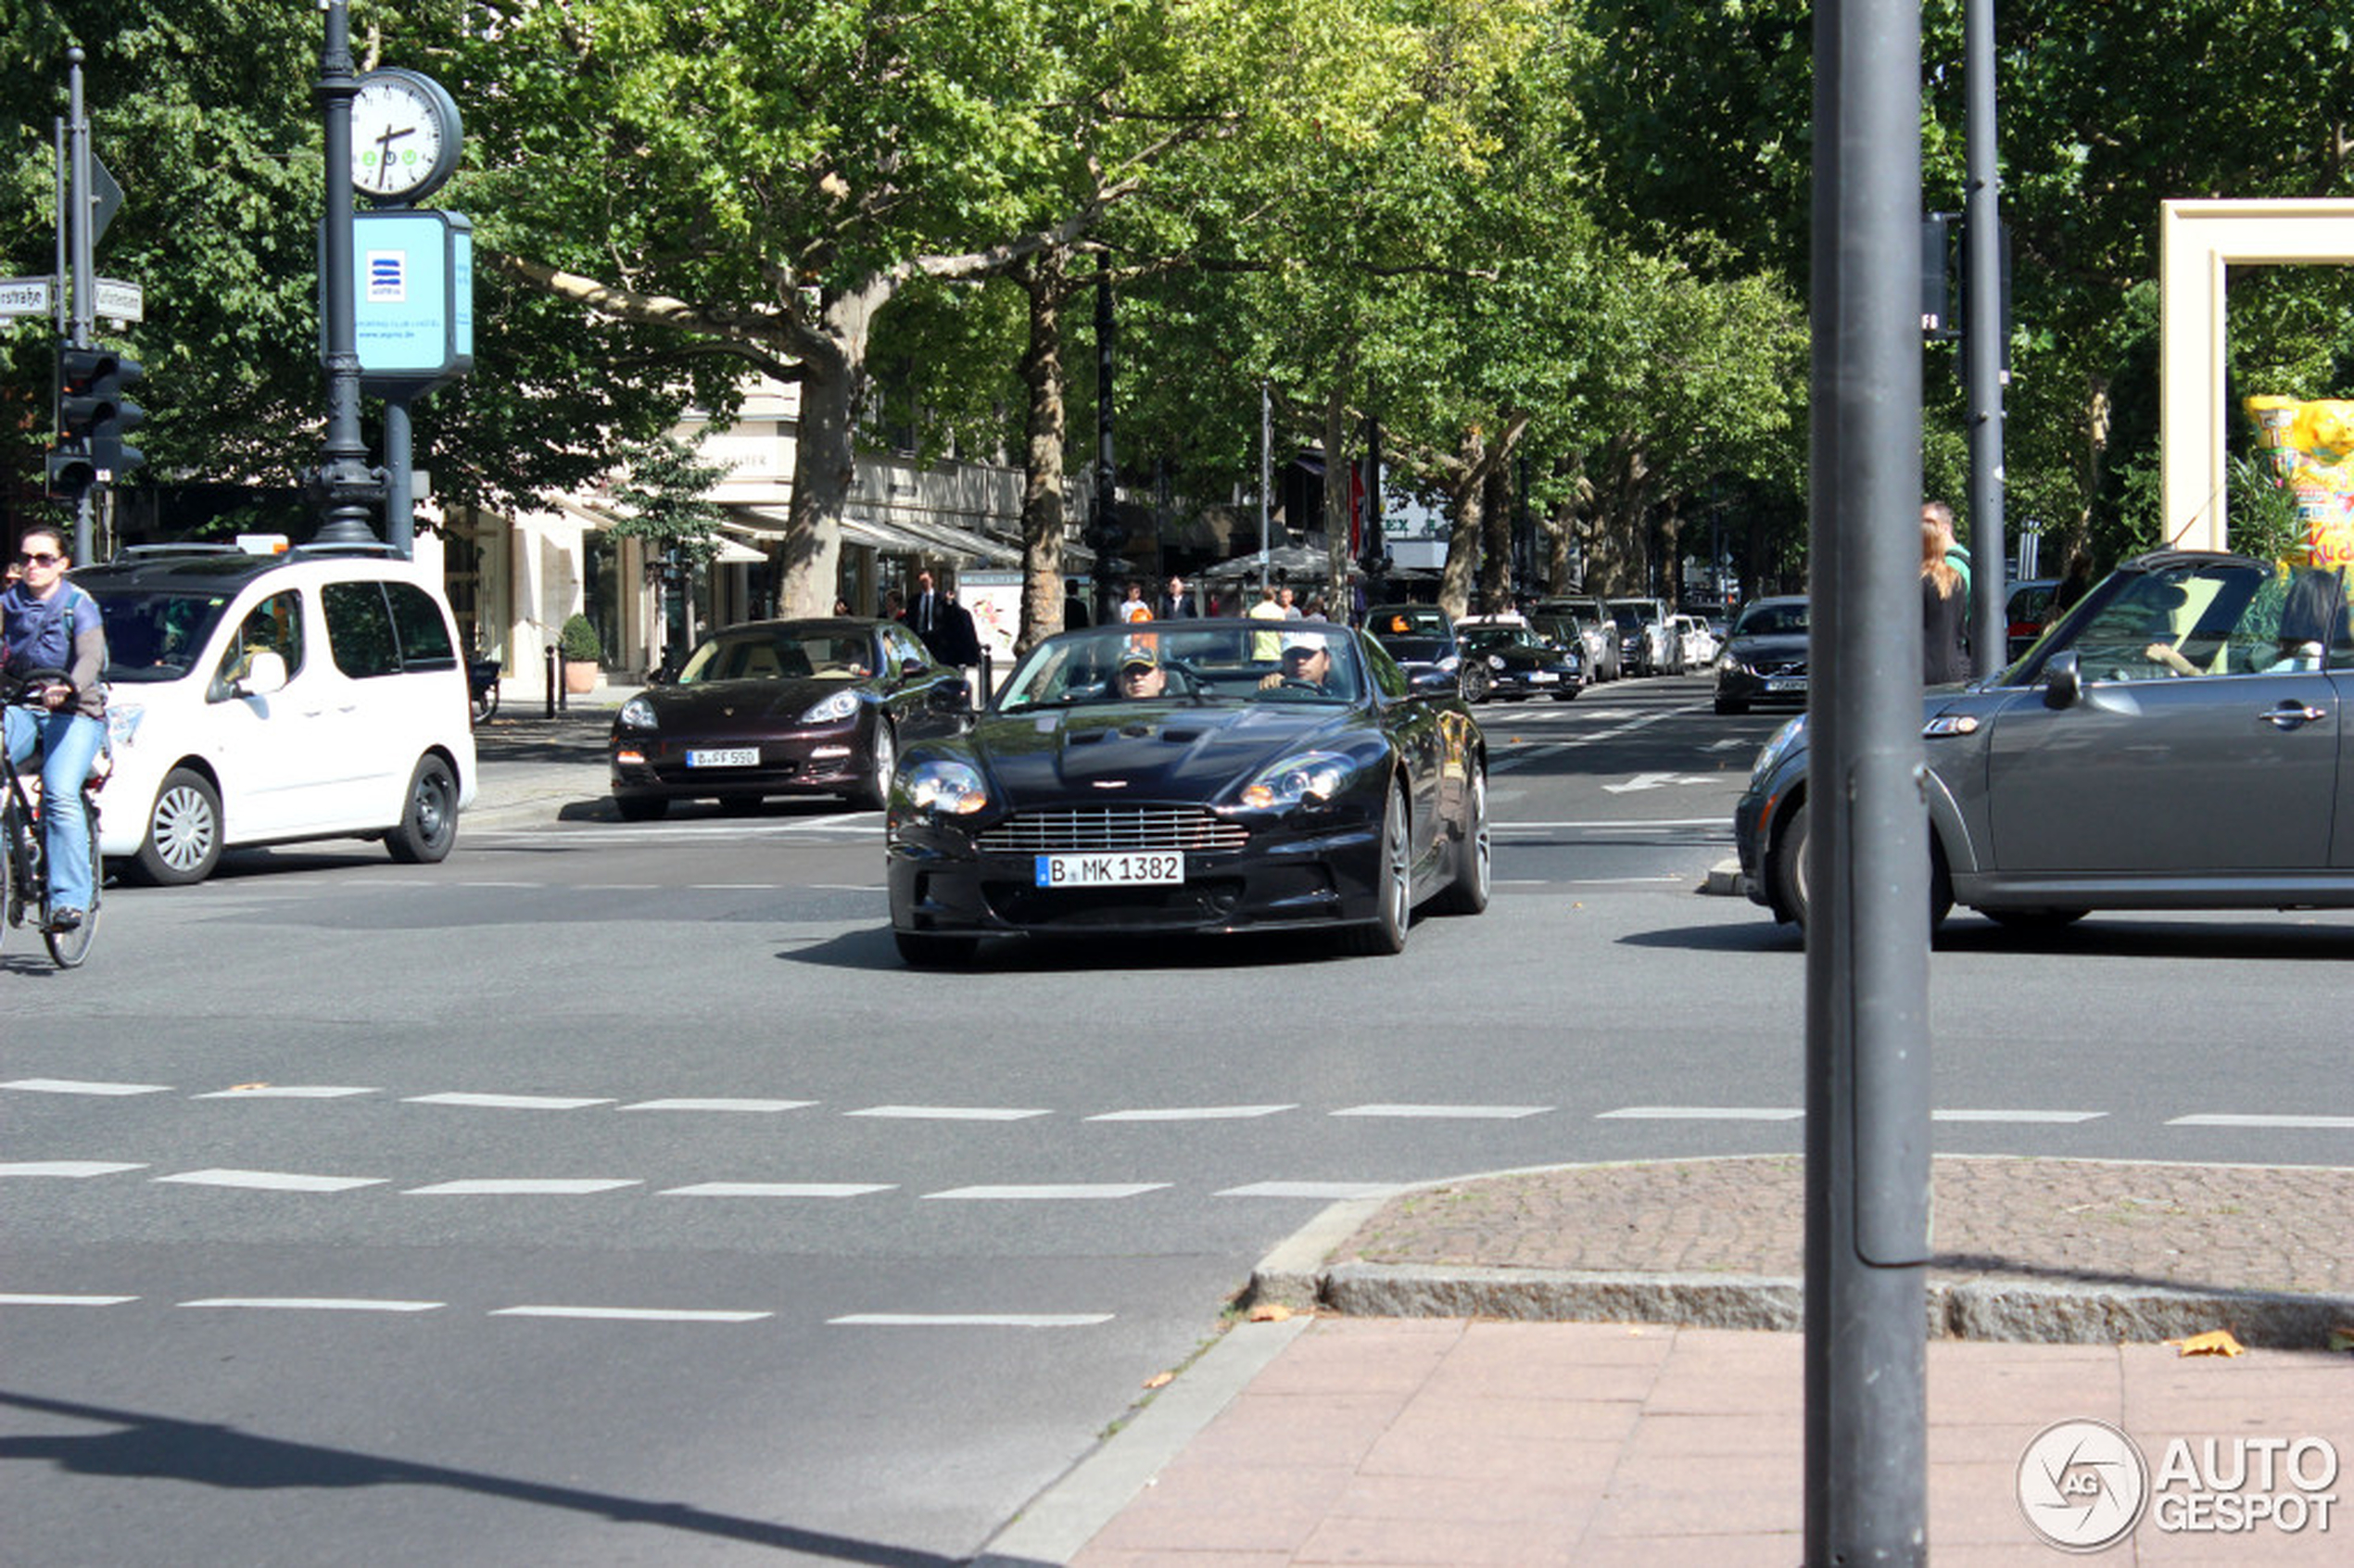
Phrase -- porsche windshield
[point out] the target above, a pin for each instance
(1242, 661)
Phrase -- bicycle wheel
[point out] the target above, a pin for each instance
(68, 948)
(11, 891)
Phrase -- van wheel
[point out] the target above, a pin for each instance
(430, 822)
(183, 843)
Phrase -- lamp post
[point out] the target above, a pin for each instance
(344, 488)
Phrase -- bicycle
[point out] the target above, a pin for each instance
(24, 870)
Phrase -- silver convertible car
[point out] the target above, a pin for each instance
(2178, 741)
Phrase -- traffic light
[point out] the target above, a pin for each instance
(94, 410)
(70, 472)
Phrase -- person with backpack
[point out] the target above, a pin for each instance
(49, 624)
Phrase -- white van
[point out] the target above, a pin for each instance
(259, 699)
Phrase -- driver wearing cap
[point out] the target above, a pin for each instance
(1140, 675)
(1307, 661)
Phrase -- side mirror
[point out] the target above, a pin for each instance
(265, 674)
(910, 668)
(952, 696)
(1435, 683)
(2062, 683)
(661, 675)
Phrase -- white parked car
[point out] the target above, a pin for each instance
(1699, 644)
(259, 699)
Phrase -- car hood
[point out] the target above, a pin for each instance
(721, 707)
(1748, 650)
(1143, 751)
(1417, 650)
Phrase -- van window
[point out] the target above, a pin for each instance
(274, 626)
(424, 636)
(360, 630)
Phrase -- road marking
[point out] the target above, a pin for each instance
(1646, 824)
(1657, 780)
(523, 1185)
(1053, 1192)
(272, 1181)
(720, 1105)
(1699, 1113)
(81, 1086)
(1442, 1113)
(1618, 881)
(947, 1113)
(845, 887)
(970, 1320)
(635, 1314)
(75, 1168)
(286, 1092)
(2320, 1121)
(32, 1301)
(317, 1304)
(1193, 1113)
(1327, 1190)
(2031, 1117)
(780, 1189)
(506, 1102)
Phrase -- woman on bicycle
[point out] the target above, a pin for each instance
(49, 624)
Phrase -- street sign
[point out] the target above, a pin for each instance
(118, 301)
(106, 199)
(28, 297)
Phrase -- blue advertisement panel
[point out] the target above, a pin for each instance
(412, 299)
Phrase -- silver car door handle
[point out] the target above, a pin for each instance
(2288, 715)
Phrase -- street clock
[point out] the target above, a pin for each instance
(404, 136)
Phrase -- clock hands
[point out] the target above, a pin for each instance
(383, 156)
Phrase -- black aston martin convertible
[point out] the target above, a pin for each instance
(1198, 776)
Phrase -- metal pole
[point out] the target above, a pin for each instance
(344, 488)
(1106, 462)
(80, 244)
(1982, 344)
(400, 504)
(1266, 474)
(1867, 935)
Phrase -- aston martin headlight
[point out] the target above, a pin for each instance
(942, 785)
(638, 713)
(1778, 746)
(832, 710)
(1311, 776)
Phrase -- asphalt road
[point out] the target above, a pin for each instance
(610, 1194)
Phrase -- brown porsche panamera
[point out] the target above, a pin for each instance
(816, 707)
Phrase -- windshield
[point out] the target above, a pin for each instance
(1771, 620)
(1502, 636)
(156, 635)
(1242, 661)
(1407, 621)
(781, 653)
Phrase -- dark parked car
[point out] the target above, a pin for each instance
(1506, 658)
(1597, 626)
(782, 708)
(1176, 780)
(2172, 744)
(1764, 659)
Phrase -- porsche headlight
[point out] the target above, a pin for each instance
(1778, 746)
(834, 709)
(942, 785)
(1311, 776)
(1495, 661)
(638, 713)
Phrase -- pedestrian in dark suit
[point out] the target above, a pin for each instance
(1178, 603)
(958, 642)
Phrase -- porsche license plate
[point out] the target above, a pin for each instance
(1542, 678)
(725, 756)
(1110, 870)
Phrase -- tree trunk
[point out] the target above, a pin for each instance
(1043, 278)
(2097, 414)
(1463, 542)
(823, 463)
(1496, 559)
(1337, 603)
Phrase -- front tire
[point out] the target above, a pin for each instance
(69, 948)
(1467, 894)
(882, 764)
(1789, 878)
(183, 843)
(429, 820)
(1385, 933)
(1477, 683)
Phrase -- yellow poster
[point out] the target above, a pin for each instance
(2312, 446)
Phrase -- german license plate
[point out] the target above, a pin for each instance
(1787, 683)
(725, 756)
(1542, 678)
(1110, 870)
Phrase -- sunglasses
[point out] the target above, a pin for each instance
(38, 558)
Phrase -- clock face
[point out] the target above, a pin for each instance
(403, 144)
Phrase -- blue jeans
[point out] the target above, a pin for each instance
(68, 745)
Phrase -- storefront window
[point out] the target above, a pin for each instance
(600, 590)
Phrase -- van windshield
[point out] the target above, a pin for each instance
(157, 635)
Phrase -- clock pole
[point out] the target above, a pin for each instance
(344, 488)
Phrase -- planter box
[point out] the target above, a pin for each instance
(580, 677)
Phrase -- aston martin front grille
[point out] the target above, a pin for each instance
(1112, 828)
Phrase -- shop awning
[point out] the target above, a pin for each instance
(899, 535)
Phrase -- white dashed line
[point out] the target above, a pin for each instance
(1194, 1113)
(317, 1304)
(81, 1086)
(524, 1186)
(2033, 1117)
(971, 1319)
(780, 1189)
(1447, 1113)
(1075, 1190)
(33, 1300)
(272, 1181)
(506, 1102)
(72, 1168)
(947, 1113)
(719, 1105)
(1330, 1192)
(1700, 1113)
(286, 1092)
(2219, 1121)
(635, 1314)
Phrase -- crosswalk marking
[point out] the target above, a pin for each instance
(947, 1113)
(286, 1092)
(506, 1102)
(719, 1105)
(83, 1086)
(2031, 1118)
(636, 1314)
(1193, 1113)
(2227, 1120)
(272, 1181)
(316, 1304)
(780, 1189)
(73, 1169)
(1076, 1190)
(524, 1185)
(29, 1298)
(1446, 1113)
